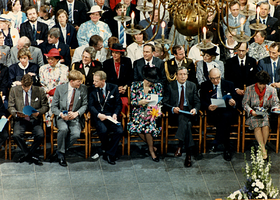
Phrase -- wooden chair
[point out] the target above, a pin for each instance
(5, 12)
(71, 52)
(81, 141)
(13, 144)
(233, 135)
(171, 136)
(135, 138)
(93, 137)
(273, 136)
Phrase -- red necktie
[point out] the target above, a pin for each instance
(154, 29)
(181, 104)
(72, 100)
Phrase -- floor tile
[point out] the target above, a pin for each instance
(157, 191)
(86, 178)
(120, 177)
(27, 193)
(17, 168)
(60, 193)
(53, 180)
(90, 192)
(152, 175)
(21, 181)
(124, 191)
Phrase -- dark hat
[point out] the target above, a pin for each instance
(117, 47)
(211, 52)
(53, 53)
(150, 74)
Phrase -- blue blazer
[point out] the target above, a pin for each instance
(265, 64)
(71, 35)
(149, 31)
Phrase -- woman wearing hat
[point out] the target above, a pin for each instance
(94, 27)
(11, 34)
(119, 71)
(68, 32)
(51, 75)
(140, 95)
(16, 71)
(88, 65)
(208, 62)
(17, 17)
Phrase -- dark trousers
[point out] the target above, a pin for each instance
(35, 126)
(222, 118)
(109, 143)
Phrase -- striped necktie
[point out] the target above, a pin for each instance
(70, 13)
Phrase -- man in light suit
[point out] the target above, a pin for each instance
(234, 18)
(21, 96)
(217, 88)
(152, 29)
(53, 42)
(179, 60)
(68, 105)
(148, 60)
(271, 64)
(24, 42)
(241, 70)
(182, 95)
(105, 103)
(34, 30)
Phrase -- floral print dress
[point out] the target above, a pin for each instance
(50, 77)
(138, 122)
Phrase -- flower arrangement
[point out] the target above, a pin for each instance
(259, 183)
(153, 113)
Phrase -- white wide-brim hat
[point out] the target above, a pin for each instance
(4, 17)
(94, 9)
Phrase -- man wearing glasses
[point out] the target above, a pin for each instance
(222, 117)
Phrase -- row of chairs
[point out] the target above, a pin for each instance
(89, 136)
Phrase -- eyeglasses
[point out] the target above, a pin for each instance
(215, 78)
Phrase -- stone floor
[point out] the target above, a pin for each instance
(135, 177)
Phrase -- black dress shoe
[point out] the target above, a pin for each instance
(188, 161)
(35, 160)
(214, 148)
(227, 155)
(109, 159)
(62, 162)
(156, 159)
(23, 158)
(53, 158)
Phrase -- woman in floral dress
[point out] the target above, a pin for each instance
(260, 97)
(140, 96)
(52, 75)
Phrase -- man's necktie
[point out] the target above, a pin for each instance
(72, 100)
(154, 29)
(235, 20)
(275, 70)
(121, 36)
(34, 33)
(242, 63)
(181, 104)
(215, 92)
(102, 96)
(148, 64)
(26, 103)
(264, 21)
(70, 12)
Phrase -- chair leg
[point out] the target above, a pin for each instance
(128, 144)
(123, 142)
(86, 141)
(166, 135)
(205, 135)
(6, 150)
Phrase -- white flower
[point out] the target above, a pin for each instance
(256, 189)
(260, 185)
(253, 184)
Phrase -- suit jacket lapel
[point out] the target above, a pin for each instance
(175, 88)
(76, 97)
(186, 93)
(65, 95)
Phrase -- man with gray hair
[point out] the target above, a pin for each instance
(53, 42)
(36, 53)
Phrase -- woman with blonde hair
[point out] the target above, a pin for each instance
(11, 34)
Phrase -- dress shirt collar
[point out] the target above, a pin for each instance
(22, 67)
(239, 60)
(180, 85)
(104, 89)
(71, 3)
(272, 61)
(263, 19)
(150, 62)
(70, 88)
(35, 23)
(179, 62)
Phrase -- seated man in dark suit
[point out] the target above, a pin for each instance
(21, 96)
(76, 11)
(271, 64)
(68, 105)
(152, 29)
(241, 70)
(34, 30)
(179, 60)
(217, 88)
(182, 95)
(53, 42)
(272, 29)
(104, 104)
(148, 60)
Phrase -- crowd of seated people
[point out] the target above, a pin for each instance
(71, 57)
